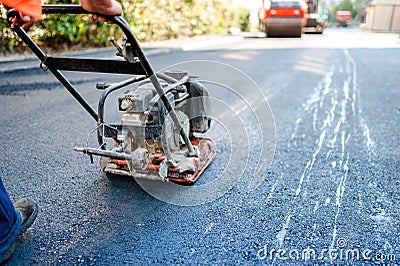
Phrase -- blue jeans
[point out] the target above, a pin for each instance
(10, 221)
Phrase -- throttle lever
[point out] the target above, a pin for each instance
(119, 48)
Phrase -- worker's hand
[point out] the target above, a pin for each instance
(23, 21)
(104, 7)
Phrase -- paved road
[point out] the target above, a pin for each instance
(331, 195)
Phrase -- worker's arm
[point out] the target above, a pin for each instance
(104, 7)
(31, 10)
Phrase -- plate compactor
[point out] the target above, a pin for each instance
(160, 112)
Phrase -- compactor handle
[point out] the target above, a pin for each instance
(63, 9)
(130, 38)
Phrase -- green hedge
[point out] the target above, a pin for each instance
(150, 20)
(240, 18)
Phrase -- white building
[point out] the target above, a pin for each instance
(383, 16)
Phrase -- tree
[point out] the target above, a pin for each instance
(344, 5)
(347, 5)
(360, 7)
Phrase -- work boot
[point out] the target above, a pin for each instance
(28, 209)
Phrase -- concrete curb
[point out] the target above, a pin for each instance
(32, 62)
(150, 49)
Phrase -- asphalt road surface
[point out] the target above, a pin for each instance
(328, 194)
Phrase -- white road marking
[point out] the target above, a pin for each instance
(339, 197)
(208, 228)
(274, 186)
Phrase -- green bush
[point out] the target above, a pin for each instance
(240, 18)
(166, 19)
(150, 20)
